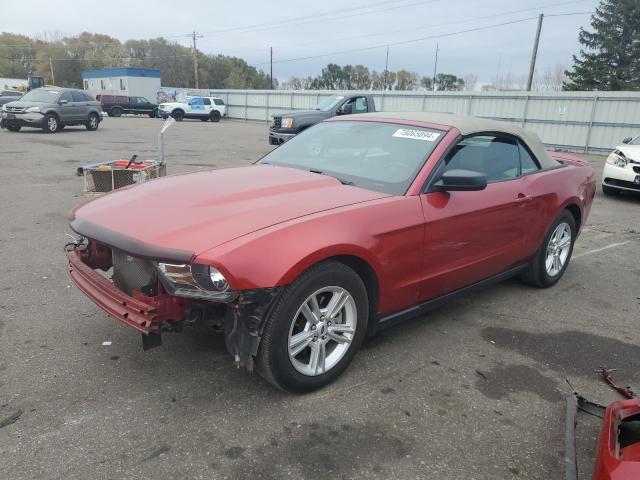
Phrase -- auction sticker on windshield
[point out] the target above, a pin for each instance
(416, 134)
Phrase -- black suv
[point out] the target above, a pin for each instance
(116, 105)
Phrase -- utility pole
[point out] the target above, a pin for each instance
(532, 67)
(271, 66)
(386, 69)
(435, 67)
(194, 36)
(53, 78)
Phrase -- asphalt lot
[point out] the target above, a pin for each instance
(473, 391)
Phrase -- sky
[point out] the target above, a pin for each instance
(467, 33)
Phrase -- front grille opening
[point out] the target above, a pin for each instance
(133, 273)
(629, 431)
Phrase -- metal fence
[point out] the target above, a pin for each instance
(578, 121)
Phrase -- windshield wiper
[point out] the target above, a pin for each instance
(341, 180)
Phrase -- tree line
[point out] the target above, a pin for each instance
(61, 60)
(359, 77)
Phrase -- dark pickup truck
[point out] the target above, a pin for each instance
(287, 125)
(116, 105)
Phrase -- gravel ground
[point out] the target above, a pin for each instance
(472, 391)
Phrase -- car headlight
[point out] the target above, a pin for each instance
(33, 110)
(617, 158)
(287, 122)
(195, 281)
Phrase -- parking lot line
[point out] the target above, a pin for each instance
(596, 250)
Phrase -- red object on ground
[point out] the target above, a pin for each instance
(618, 455)
(124, 163)
(624, 391)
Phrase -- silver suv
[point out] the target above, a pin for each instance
(51, 109)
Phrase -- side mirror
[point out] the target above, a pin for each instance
(627, 140)
(63, 102)
(345, 109)
(461, 180)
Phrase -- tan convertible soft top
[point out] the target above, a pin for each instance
(468, 126)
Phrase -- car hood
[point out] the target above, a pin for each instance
(181, 216)
(300, 114)
(630, 151)
(23, 104)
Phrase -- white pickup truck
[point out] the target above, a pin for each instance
(203, 108)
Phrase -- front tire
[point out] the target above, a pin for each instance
(610, 190)
(314, 329)
(178, 115)
(552, 258)
(93, 122)
(51, 123)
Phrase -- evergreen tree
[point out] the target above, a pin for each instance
(610, 57)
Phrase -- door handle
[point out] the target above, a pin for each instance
(523, 199)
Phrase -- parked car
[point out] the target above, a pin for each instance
(52, 109)
(203, 108)
(357, 223)
(7, 96)
(116, 105)
(287, 125)
(622, 169)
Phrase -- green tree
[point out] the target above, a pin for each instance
(406, 80)
(610, 57)
(17, 56)
(426, 83)
(448, 81)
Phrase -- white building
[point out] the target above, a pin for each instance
(137, 82)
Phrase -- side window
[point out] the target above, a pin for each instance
(218, 101)
(142, 100)
(207, 101)
(78, 97)
(497, 157)
(88, 98)
(527, 163)
(360, 105)
(66, 96)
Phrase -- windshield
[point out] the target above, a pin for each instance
(635, 141)
(378, 156)
(329, 102)
(42, 96)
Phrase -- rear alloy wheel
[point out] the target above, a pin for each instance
(315, 329)
(93, 122)
(610, 190)
(552, 258)
(51, 123)
(215, 116)
(178, 115)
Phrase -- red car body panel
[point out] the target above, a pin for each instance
(263, 226)
(612, 461)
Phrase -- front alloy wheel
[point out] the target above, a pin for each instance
(314, 328)
(322, 331)
(558, 249)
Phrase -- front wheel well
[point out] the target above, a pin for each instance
(369, 278)
(577, 215)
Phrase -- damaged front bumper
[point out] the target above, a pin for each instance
(151, 314)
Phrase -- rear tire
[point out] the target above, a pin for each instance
(116, 112)
(178, 115)
(13, 128)
(93, 122)
(215, 116)
(51, 123)
(610, 190)
(552, 258)
(331, 335)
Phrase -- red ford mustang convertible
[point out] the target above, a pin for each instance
(355, 224)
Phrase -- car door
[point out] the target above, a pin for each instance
(67, 108)
(207, 106)
(473, 235)
(81, 105)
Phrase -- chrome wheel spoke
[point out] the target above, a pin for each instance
(338, 338)
(308, 314)
(299, 342)
(336, 303)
